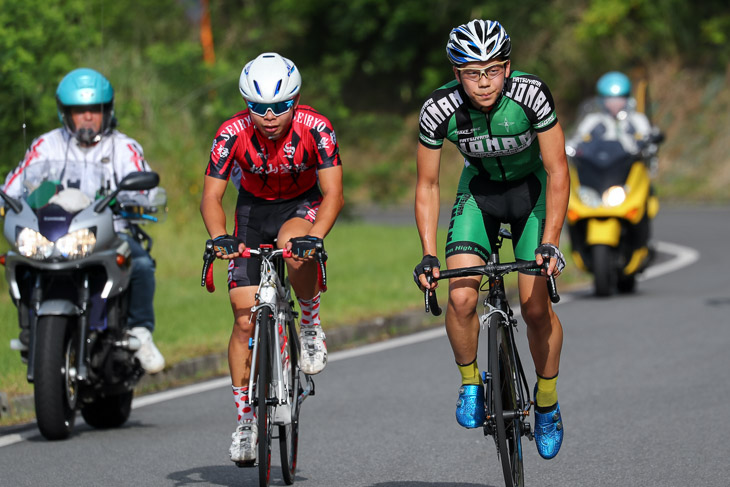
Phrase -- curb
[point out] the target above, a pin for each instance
(216, 365)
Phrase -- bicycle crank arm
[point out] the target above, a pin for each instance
(309, 391)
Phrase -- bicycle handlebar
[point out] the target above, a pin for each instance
(431, 302)
(209, 256)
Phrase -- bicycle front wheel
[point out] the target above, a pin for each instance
(264, 411)
(511, 404)
(289, 433)
(507, 430)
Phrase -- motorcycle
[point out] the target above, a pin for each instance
(68, 274)
(611, 207)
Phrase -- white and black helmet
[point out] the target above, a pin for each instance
(270, 78)
(478, 41)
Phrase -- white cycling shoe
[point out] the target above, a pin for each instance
(148, 355)
(314, 349)
(245, 439)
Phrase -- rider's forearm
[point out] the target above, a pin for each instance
(214, 217)
(327, 214)
(427, 215)
(556, 204)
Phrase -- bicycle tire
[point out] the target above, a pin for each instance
(500, 433)
(263, 410)
(509, 383)
(289, 434)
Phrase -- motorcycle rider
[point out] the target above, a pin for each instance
(85, 101)
(617, 119)
(284, 160)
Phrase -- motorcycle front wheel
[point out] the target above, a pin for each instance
(55, 385)
(605, 272)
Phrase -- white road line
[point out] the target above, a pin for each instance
(683, 256)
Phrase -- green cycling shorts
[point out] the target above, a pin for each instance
(483, 206)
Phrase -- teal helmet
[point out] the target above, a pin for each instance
(85, 87)
(613, 83)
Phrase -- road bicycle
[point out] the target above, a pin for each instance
(507, 394)
(280, 386)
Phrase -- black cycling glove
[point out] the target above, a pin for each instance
(226, 244)
(307, 246)
(428, 263)
(549, 251)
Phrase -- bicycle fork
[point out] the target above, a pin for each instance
(518, 378)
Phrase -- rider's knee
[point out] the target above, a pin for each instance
(536, 315)
(463, 301)
(143, 265)
(243, 325)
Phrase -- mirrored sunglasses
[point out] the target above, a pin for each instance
(278, 108)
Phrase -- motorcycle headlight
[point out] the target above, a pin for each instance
(77, 244)
(589, 196)
(33, 245)
(614, 196)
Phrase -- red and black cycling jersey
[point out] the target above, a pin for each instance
(274, 169)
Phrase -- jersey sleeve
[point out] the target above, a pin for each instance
(221, 161)
(534, 96)
(431, 133)
(328, 152)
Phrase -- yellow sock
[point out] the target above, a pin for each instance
(547, 391)
(469, 373)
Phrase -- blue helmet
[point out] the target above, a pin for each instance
(614, 83)
(85, 87)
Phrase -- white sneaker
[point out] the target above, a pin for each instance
(314, 349)
(245, 439)
(149, 357)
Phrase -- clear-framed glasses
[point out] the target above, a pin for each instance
(278, 108)
(475, 74)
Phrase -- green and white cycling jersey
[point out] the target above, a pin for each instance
(501, 142)
(503, 180)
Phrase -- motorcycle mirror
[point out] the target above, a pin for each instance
(136, 181)
(12, 202)
(139, 181)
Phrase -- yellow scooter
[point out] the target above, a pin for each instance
(609, 215)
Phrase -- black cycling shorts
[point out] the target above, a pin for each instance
(258, 222)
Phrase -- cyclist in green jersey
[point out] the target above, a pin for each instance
(515, 171)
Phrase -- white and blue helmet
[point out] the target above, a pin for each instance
(270, 78)
(478, 41)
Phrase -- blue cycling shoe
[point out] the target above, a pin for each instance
(470, 406)
(548, 431)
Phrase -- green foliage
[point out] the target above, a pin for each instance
(360, 59)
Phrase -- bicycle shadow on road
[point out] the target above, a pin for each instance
(408, 483)
(225, 475)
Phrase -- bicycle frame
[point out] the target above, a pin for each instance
(274, 295)
(495, 303)
(505, 381)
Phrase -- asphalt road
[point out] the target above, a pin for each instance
(643, 389)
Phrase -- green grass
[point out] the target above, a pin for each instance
(369, 275)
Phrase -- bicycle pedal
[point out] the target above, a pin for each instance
(246, 464)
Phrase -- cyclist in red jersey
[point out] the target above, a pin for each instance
(284, 159)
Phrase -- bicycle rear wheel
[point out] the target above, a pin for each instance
(289, 433)
(264, 412)
(507, 431)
